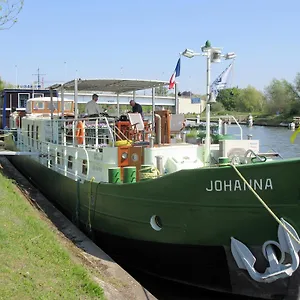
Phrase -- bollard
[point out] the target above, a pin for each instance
(159, 163)
(183, 137)
(129, 175)
(151, 140)
(114, 175)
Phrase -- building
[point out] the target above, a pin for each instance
(191, 105)
(16, 99)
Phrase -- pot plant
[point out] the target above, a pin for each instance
(192, 136)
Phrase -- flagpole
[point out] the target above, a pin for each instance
(176, 91)
(207, 138)
(176, 99)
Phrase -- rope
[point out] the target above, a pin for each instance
(89, 212)
(265, 205)
(149, 173)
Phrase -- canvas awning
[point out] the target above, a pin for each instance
(117, 86)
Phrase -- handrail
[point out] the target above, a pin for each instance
(228, 117)
(256, 155)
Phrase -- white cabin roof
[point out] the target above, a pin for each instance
(47, 99)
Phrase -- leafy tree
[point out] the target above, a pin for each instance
(161, 91)
(4, 85)
(229, 98)
(280, 96)
(297, 85)
(217, 107)
(250, 100)
(9, 9)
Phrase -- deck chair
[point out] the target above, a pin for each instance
(177, 123)
(137, 127)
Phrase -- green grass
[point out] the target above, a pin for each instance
(34, 263)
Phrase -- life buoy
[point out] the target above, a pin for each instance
(80, 132)
(18, 121)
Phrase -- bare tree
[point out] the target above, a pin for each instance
(9, 9)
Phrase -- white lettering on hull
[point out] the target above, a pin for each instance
(238, 185)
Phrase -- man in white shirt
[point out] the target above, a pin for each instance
(91, 108)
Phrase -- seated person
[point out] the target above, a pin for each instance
(91, 108)
(136, 108)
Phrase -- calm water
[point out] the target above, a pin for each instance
(271, 139)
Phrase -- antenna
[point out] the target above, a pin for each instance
(38, 76)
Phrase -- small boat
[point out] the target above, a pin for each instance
(229, 223)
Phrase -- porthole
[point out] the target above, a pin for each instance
(124, 155)
(155, 223)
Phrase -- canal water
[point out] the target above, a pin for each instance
(272, 139)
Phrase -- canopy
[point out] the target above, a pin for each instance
(117, 86)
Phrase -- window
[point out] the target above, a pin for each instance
(70, 162)
(68, 105)
(37, 133)
(53, 106)
(195, 100)
(28, 130)
(22, 100)
(84, 167)
(58, 158)
(32, 135)
(38, 105)
(37, 95)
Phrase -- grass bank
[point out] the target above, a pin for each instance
(34, 264)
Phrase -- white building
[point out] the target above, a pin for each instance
(191, 105)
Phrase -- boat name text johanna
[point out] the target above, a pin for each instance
(238, 185)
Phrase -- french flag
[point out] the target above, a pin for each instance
(175, 74)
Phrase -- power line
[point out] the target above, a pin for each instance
(38, 77)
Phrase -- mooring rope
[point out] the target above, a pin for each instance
(265, 205)
(149, 173)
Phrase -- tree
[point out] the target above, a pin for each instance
(161, 91)
(280, 96)
(4, 85)
(9, 9)
(297, 85)
(228, 97)
(250, 100)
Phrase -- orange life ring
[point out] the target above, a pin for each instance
(80, 132)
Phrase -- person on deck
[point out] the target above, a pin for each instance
(136, 108)
(91, 108)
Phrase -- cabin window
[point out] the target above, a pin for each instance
(84, 167)
(38, 105)
(22, 100)
(68, 106)
(58, 158)
(53, 106)
(32, 135)
(70, 162)
(37, 133)
(37, 95)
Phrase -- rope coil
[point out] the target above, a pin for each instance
(148, 172)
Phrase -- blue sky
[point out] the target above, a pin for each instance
(142, 39)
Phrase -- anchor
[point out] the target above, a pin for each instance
(277, 269)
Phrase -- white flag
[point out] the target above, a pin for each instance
(221, 81)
